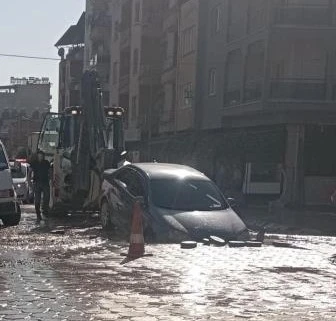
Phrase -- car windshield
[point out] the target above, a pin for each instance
(3, 161)
(186, 195)
(19, 172)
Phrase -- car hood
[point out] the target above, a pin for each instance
(199, 224)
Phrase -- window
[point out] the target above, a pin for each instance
(19, 172)
(135, 61)
(137, 12)
(254, 71)
(132, 182)
(134, 108)
(256, 15)
(115, 72)
(3, 159)
(212, 82)
(188, 41)
(186, 195)
(215, 20)
(187, 94)
(234, 72)
(236, 21)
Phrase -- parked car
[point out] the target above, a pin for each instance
(23, 186)
(10, 212)
(179, 202)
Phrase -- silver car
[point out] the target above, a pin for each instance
(22, 185)
(180, 203)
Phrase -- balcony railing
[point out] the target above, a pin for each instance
(309, 15)
(298, 89)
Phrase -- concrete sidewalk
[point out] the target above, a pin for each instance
(309, 221)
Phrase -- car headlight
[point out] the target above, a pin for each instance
(18, 185)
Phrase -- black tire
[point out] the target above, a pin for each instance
(105, 215)
(217, 241)
(14, 219)
(188, 245)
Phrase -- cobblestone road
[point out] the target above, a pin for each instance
(68, 270)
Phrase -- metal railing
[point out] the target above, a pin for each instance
(309, 15)
(298, 89)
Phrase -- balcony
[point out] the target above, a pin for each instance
(303, 15)
(298, 89)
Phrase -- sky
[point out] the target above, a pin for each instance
(32, 27)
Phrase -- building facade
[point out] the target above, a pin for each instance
(136, 62)
(270, 67)
(23, 105)
(26, 96)
(97, 50)
(71, 50)
(244, 88)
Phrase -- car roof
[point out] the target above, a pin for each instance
(164, 170)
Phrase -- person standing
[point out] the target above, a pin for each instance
(41, 174)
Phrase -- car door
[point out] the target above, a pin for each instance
(129, 185)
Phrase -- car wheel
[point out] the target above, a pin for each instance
(13, 220)
(105, 215)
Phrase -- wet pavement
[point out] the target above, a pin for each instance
(67, 269)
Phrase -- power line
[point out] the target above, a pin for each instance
(28, 57)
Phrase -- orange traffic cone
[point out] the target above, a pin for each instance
(137, 241)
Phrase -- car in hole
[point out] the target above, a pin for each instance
(179, 203)
(10, 212)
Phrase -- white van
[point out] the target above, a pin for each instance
(10, 212)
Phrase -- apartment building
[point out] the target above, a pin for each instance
(71, 51)
(270, 67)
(97, 50)
(23, 105)
(234, 86)
(136, 64)
(26, 96)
